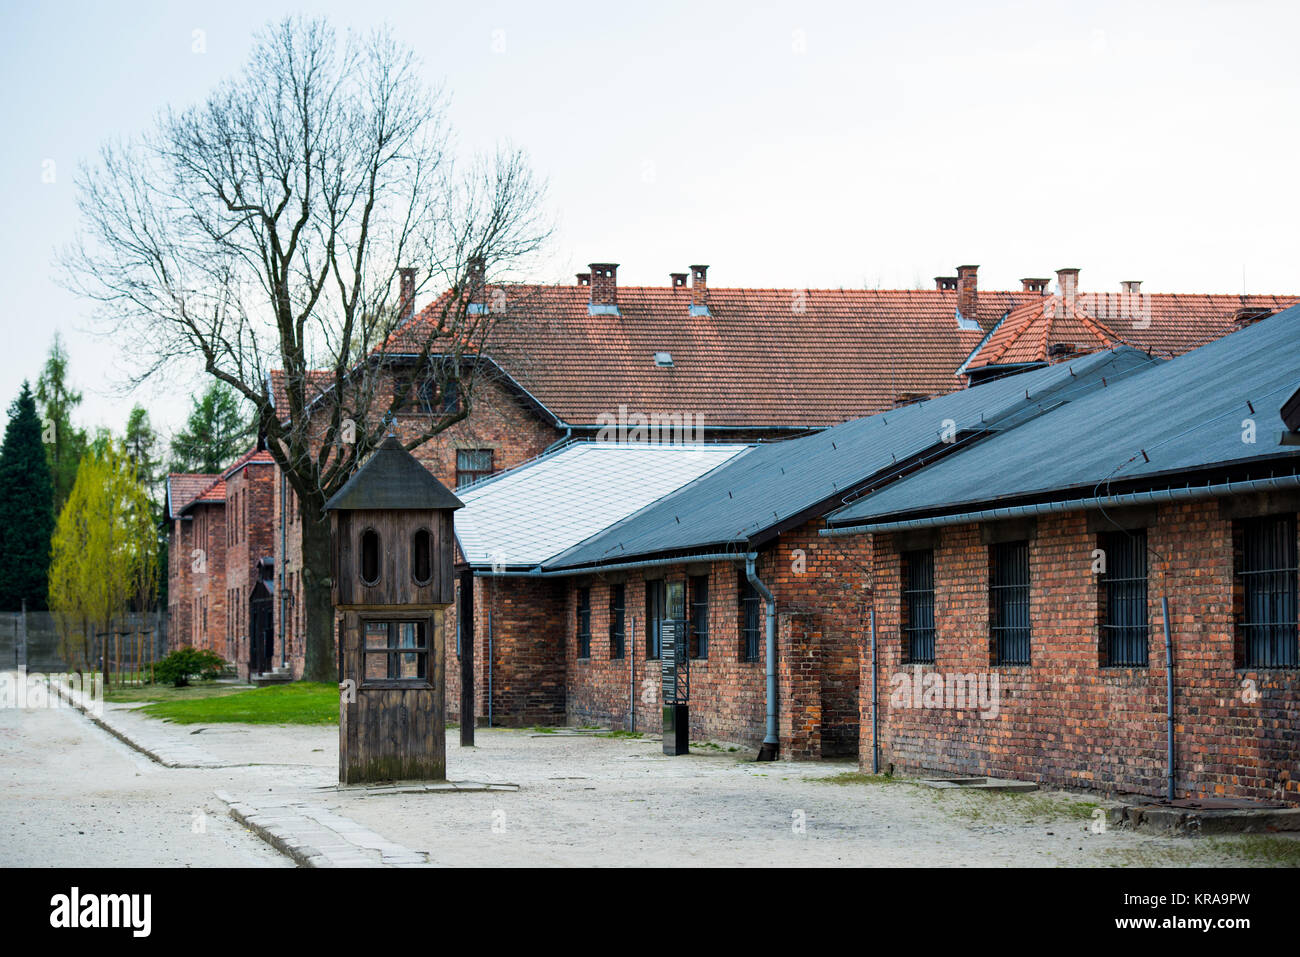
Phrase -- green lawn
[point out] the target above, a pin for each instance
(195, 690)
(298, 703)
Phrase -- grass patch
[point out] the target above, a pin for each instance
(301, 702)
(621, 734)
(1228, 850)
(543, 729)
(1270, 850)
(857, 777)
(1009, 807)
(165, 692)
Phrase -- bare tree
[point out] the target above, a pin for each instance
(262, 233)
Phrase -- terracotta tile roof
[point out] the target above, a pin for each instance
(183, 488)
(761, 357)
(1164, 323)
(193, 488)
(253, 456)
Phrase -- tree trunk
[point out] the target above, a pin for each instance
(321, 662)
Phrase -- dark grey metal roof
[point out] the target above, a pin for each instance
(1191, 414)
(743, 502)
(392, 478)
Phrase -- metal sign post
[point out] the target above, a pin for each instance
(674, 646)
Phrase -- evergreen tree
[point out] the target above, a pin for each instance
(26, 508)
(64, 443)
(216, 432)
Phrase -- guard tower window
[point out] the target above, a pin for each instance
(422, 557)
(370, 557)
(396, 651)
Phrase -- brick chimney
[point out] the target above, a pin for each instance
(678, 279)
(406, 294)
(584, 279)
(945, 283)
(477, 275)
(604, 284)
(699, 285)
(967, 292)
(1035, 285)
(1067, 283)
(1131, 287)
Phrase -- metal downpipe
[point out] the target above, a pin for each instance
(875, 700)
(1169, 698)
(768, 751)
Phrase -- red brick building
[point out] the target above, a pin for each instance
(1020, 588)
(742, 365)
(579, 631)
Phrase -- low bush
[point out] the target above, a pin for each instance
(185, 663)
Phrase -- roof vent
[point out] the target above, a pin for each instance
(1034, 285)
(945, 283)
(664, 360)
(679, 279)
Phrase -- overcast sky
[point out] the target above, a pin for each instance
(785, 144)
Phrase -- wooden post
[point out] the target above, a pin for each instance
(465, 622)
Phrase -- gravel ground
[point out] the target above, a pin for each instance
(72, 794)
(621, 802)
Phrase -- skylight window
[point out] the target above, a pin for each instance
(664, 360)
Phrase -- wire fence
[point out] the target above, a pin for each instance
(32, 641)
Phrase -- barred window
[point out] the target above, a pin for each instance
(1009, 602)
(1123, 594)
(584, 622)
(654, 617)
(617, 627)
(472, 465)
(918, 606)
(751, 617)
(700, 616)
(1266, 565)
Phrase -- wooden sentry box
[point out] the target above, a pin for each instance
(392, 545)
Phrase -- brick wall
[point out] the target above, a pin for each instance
(250, 529)
(527, 660)
(819, 585)
(180, 585)
(207, 579)
(1065, 720)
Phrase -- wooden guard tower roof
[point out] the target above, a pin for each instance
(392, 478)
